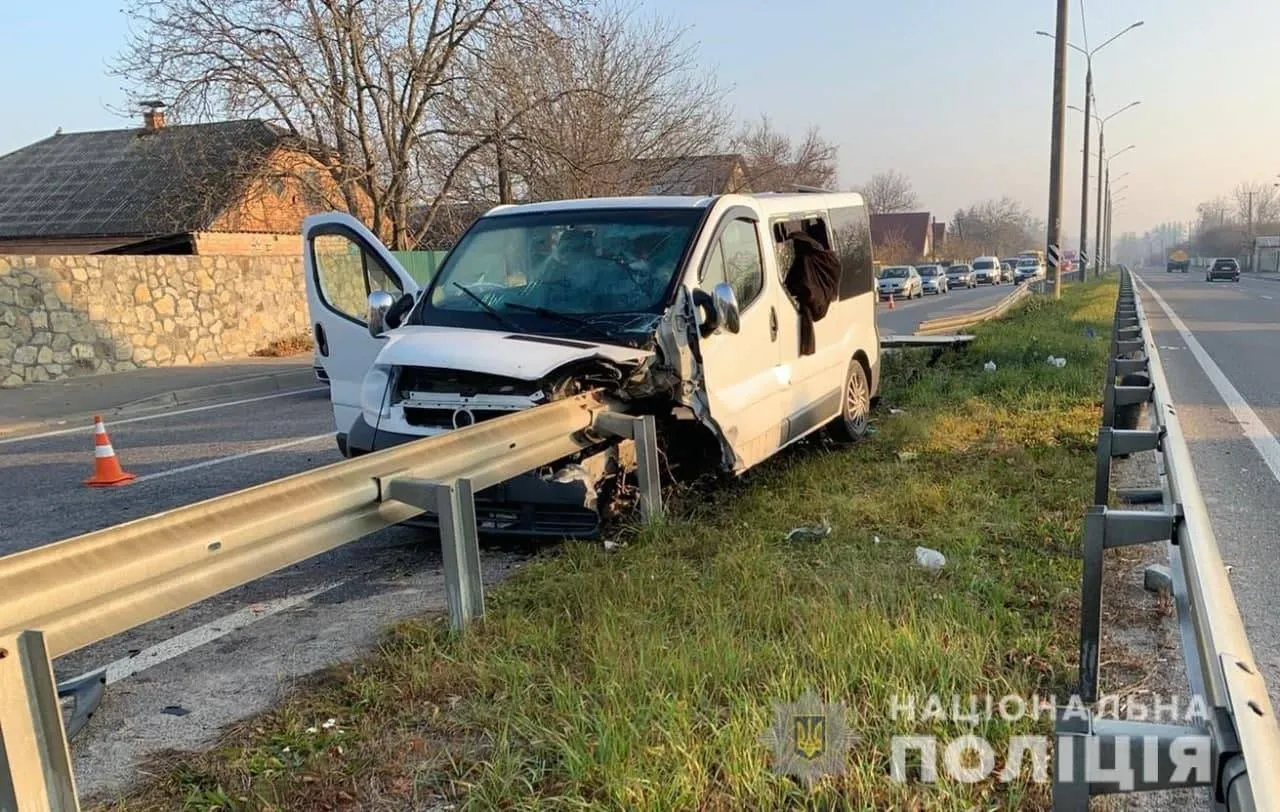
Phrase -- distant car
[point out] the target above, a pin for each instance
(933, 279)
(1006, 270)
(1029, 270)
(960, 276)
(1223, 268)
(899, 281)
(986, 270)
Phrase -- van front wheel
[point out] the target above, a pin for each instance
(855, 408)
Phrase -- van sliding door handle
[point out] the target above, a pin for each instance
(773, 324)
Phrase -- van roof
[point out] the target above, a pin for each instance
(768, 203)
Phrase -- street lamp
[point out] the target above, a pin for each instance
(1088, 100)
(1102, 157)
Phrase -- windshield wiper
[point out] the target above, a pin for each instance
(488, 308)
(565, 318)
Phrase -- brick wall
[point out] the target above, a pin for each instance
(63, 316)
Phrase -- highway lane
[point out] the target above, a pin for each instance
(906, 316)
(1228, 401)
(175, 682)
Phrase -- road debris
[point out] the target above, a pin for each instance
(931, 560)
(907, 456)
(989, 366)
(810, 532)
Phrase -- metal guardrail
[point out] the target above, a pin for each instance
(1238, 726)
(946, 324)
(60, 597)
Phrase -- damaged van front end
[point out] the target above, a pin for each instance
(428, 380)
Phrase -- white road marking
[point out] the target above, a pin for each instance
(193, 410)
(178, 645)
(195, 466)
(1265, 296)
(1254, 429)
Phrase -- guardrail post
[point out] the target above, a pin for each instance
(460, 540)
(35, 764)
(1095, 532)
(455, 506)
(644, 431)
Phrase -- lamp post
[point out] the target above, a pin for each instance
(1102, 158)
(1088, 115)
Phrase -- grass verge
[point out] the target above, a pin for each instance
(645, 677)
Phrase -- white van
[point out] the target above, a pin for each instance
(675, 306)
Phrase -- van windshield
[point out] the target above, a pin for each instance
(895, 273)
(1028, 262)
(983, 265)
(546, 271)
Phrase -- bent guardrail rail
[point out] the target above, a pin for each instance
(1234, 750)
(960, 321)
(60, 597)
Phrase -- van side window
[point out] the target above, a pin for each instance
(736, 259)
(853, 245)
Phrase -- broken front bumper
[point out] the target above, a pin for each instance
(527, 505)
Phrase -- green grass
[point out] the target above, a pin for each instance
(643, 678)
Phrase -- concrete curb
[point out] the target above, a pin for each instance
(238, 387)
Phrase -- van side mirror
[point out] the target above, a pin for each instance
(379, 303)
(725, 304)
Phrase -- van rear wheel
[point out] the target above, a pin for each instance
(855, 408)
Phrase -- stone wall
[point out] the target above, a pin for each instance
(62, 316)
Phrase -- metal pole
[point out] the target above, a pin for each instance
(1097, 233)
(1054, 236)
(1084, 170)
(1102, 214)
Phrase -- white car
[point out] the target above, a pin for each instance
(986, 270)
(933, 279)
(900, 282)
(1029, 269)
(675, 306)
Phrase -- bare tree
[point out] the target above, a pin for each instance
(371, 84)
(1255, 202)
(1000, 227)
(627, 92)
(1216, 212)
(890, 191)
(776, 163)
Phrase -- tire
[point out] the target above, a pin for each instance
(855, 406)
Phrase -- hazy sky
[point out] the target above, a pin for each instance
(955, 93)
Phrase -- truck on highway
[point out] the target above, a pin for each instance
(1178, 261)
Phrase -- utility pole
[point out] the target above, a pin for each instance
(1054, 236)
(1084, 168)
(1253, 248)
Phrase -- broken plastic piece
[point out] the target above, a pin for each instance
(989, 366)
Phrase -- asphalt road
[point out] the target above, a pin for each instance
(1226, 385)
(906, 316)
(175, 682)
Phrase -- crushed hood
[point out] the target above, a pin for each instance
(515, 355)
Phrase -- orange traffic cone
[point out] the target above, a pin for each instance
(891, 301)
(106, 468)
